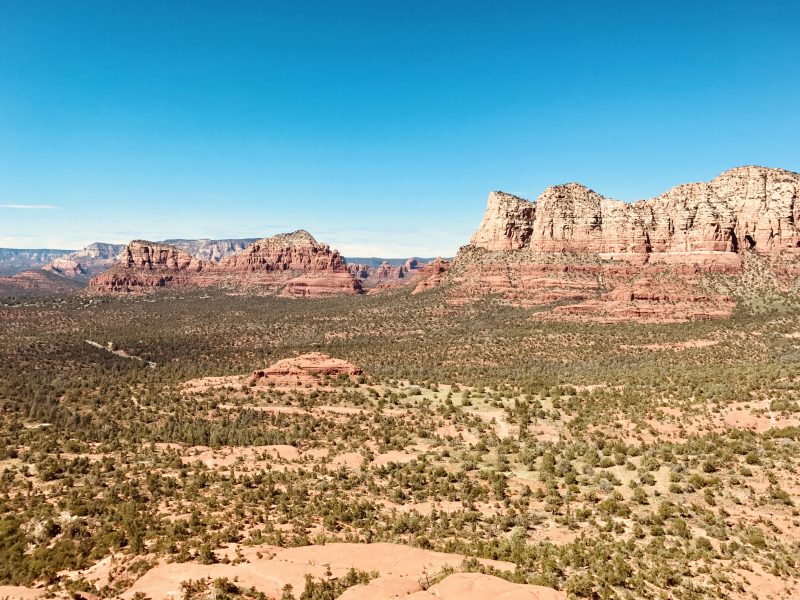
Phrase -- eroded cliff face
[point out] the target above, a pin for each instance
(99, 257)
(431, 275)
(744, 208)
(297, 251)
(294, 263)
(598, 258)
(141, 255)
(146, 265)
(318, 284)
(507, 223)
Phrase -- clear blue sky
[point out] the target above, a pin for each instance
(380, 126)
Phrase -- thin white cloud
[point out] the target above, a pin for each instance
(30, 206)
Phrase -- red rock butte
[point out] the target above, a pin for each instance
(744, 208)
(294, 264)
(607, 260)
(303, 369)
(290, 264)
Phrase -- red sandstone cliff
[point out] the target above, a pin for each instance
(594, 257)
(146, 265)
(297, 251)
(430, 275)
(294, 263)
(744, 208)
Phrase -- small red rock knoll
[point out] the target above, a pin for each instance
(305, 368)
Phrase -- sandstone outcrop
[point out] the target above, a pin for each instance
(293, 263)
(604, 259)
(268, 569)
(146, 265)
(99, 257)
(431, 275)
(297, 251)
(744, 208)
(36, 282)
(66, 267)
(141, 255)
(304, 369)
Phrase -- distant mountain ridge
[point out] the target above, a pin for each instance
(82, 264)
(16, 260)
(293, 264)
(374, 261)
(99, 256)
(211, 250)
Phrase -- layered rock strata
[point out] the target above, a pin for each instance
(431, 275)
(147, 265)
(294, 263)
(296, 251)
(598, 258)
(745, 208)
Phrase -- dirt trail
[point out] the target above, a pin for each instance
(120, 353)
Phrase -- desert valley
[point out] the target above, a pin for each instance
(591, 399)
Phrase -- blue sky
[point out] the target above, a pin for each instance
(379, 126)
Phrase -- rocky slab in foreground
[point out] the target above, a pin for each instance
(402, 571)
(597, 258)
(458, 586)
(147, 265)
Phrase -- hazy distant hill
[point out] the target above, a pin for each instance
(373, 261)
(15, 260)
(94, 258)
(211, 250)
(99, 256)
